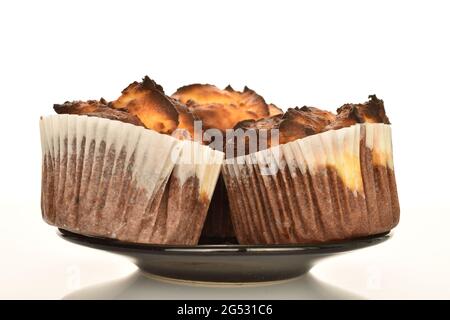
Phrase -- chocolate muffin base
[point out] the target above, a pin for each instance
(96, 185)
(326, 188)
(380, 187)
(181, 213)
(218, 227)
(295, 208)
(107, 202)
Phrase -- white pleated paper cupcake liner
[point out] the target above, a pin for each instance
(108, 178)
(308, 190)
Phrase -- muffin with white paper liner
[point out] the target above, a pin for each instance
(112, 169)
(331, 178)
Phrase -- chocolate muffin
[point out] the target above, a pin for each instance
(127, 169)
(330, 178)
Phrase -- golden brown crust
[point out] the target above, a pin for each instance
(96, 109)
(116, 114)
(221, 116)
(274, 110)
(268, 124)
(298, 123)
(222, 109)
(349, 114)
(301, 122)
(79, 107)
(143, 104)
(147, 101)
(311, 116)
(264, 123)
(185, 120)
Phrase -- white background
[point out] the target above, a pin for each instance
(322, 53)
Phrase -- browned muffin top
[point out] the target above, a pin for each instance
(274, 110)
(79, 107)
(301, 122)
(147, 101)
(145, 104)
(298, 123)
(223, 109)
(98, 109)
(141, 103)
(349, 114)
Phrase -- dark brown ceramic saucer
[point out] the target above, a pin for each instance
(224, 263)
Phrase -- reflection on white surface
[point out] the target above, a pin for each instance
(36, 264)
(139, 286)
